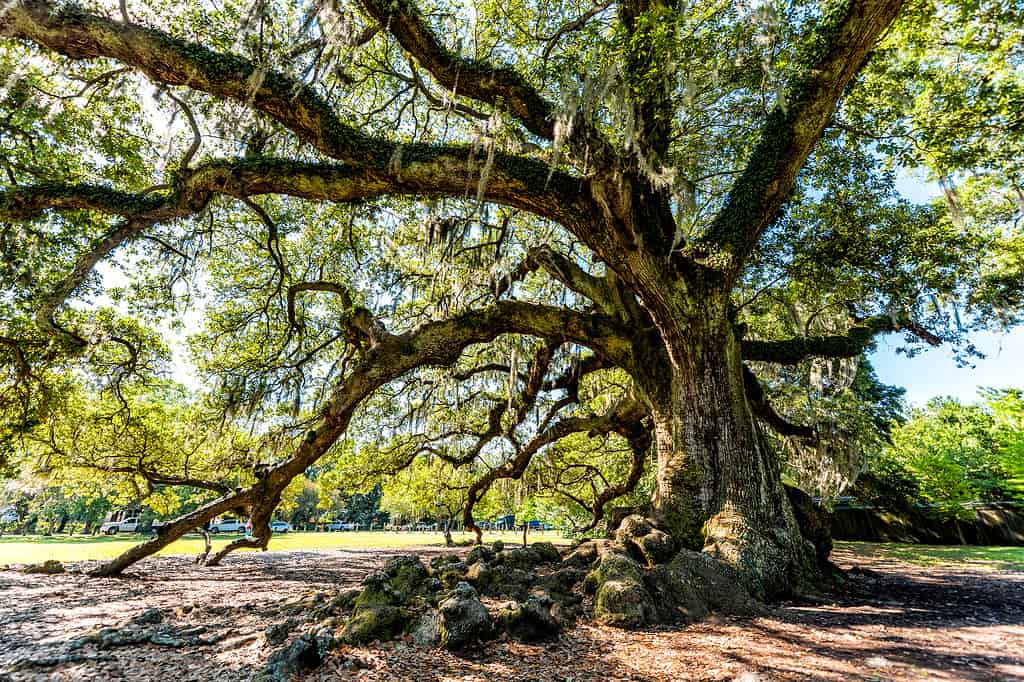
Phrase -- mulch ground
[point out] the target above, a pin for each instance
(893, 621)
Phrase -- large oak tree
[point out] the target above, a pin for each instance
(655, 205)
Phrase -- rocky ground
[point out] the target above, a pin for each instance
(171, 620)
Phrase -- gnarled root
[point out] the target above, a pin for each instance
(640, 579)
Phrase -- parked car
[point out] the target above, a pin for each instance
(129, 525)
(227, 526)
(341, 525)
(280, 526)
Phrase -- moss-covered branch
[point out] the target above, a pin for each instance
(499, 86)
(764, 410)
(848, 345)
(829, 57)
(71, 31)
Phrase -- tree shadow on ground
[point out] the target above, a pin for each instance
(893, 621)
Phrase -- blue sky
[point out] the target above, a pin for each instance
(935, 373)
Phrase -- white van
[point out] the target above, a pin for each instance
(129, 525)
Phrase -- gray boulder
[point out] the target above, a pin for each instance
(463, 619)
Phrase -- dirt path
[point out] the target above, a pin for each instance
(894, 622)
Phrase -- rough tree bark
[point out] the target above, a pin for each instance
(718, 485)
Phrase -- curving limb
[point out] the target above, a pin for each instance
(763, 409)
(435, 344)
(177, 528)
(622, 418)
(473, 78)
(260, 538)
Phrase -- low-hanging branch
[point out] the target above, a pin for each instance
(439, 171)
(435, 344)
(764, 410)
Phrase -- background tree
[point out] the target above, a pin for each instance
(433, 235)
(948, 453)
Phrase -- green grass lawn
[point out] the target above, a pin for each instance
(950, 556)
(19, 549)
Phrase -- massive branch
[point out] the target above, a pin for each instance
(500, 87)
(296, 105)
(827, 60)
(848, 345)
(430, 171)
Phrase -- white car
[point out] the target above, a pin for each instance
(227, 526)
(130, 525)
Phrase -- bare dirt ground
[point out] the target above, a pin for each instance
(894, 621)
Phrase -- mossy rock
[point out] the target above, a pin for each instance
(694, 584)
(427, 630)
(498, 546)
(560, 585)
(547, 552)
(523, 558)
(613, 566)
(586, 553)
(624, 604)
(644, 541)
(48, 567)
(622, 599)
(370, 623)
(510, 582)
(463, 619)
(304, 653)
(632, 526)
(277, 633)
(344, 600)
(529, 621)
(407, 575)
(376, 592)
(439, 562)
(450, 575)
(479, 553)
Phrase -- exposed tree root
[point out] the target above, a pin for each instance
(636, 580)
(201, 558)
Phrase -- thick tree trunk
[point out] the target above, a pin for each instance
(718, 485)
